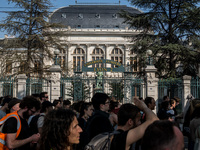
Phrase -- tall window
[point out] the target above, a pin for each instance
(96, 55)
(23, 67)
(133, 61)
(8, 66)
(37, 67)
(61, 59)
(78, 58)
(117, 55)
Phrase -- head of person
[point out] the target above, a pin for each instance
(129, 115)
(36, 96)
(150, 102)
(57, 104)
(66, 104)
(113, 98)
(196, 112)
(47, 106)
(141, 98)
(162, 135)
(60, 130)
(86, 110)
(44, 96)
(13, 105)
(29, 105)
(173, 103)
(114, 106)
(165, 98)
(5, 102)
(177, 99)
(165, 105)
(101, 101)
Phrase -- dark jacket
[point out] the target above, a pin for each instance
(96, 124)
(99, 123)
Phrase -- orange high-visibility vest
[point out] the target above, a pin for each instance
(4, 135)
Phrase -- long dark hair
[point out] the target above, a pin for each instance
(84, 106)
(55, 130)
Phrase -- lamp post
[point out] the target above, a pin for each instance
(54, 80)
(149, 62)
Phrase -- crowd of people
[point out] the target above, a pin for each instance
(37, 124)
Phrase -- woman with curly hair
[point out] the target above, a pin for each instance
(60, 130)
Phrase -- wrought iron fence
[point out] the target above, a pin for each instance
(195, 87)
(7, 86)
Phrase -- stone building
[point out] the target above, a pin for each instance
(97, 32)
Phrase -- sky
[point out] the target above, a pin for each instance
(5, 6)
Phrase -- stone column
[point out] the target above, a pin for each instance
(66, 57)
(21, 86)
(187, 89)
(87, 52)
(55, 82)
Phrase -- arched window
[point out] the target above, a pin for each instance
(96, 55)
(117, 55)
(78, 58)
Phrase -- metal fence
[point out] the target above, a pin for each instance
(36, 85)
(83, 88)
(195, 87)
(171, 87)
(7, 86)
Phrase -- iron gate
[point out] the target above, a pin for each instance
(83, 87)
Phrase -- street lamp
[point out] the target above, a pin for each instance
(149, 53)
(56, 52)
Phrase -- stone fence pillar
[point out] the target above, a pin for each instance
(55, 82)
(151, 83)
(187, 89)
(21, 86)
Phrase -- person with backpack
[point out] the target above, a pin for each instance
(15, 132)
(99, 122)
(38, 120)
(129, 125)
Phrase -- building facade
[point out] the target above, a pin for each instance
(97, 37)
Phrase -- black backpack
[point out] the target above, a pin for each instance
(33, 124)
(101, 141)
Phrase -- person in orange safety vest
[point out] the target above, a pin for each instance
(14, 131)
